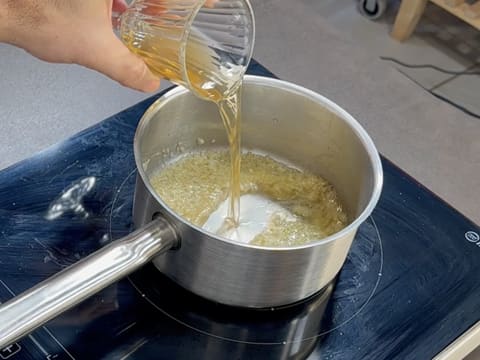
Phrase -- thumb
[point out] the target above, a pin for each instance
(113, 59)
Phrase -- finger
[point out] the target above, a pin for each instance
(114, 60)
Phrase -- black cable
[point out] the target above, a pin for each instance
(454, 104)
(429, 66)
(438, 96)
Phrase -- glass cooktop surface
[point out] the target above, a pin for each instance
(408, 289)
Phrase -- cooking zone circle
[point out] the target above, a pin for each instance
(301, 322)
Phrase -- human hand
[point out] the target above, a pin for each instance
(75, 31)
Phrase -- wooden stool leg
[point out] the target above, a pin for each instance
(407, 18)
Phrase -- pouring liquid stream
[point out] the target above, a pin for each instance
(213, 78)
(230, 111)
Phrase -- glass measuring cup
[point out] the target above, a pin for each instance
(204, 45)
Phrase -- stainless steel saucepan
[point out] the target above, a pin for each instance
(279, 118)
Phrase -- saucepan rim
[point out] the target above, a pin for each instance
(298, 90)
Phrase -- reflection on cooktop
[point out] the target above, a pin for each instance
(277, 332)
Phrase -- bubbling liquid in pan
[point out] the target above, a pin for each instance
(282, 206)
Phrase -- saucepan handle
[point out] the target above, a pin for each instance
(31, 309)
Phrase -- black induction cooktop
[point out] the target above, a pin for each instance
(408, 289)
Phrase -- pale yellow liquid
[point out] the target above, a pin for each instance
(195, 185)
(161, 54)
(232, 120)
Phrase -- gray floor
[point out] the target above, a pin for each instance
(324, 45)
